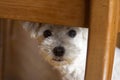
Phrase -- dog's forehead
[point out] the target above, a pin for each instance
(59, 28)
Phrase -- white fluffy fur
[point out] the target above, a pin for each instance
(73, 65)
(116, 65)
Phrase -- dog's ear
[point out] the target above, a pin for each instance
(32, 27)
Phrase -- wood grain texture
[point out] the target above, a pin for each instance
(119, 17)
(118, 40)
(67, 12)
(5, 29)
(1, 50)
(119, 26)
(102, 39)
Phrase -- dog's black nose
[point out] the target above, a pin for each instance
(59, 51)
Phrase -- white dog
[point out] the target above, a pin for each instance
(65, 49)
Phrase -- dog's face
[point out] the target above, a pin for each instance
(58, 45)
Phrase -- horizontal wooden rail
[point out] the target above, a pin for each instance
(67, 12)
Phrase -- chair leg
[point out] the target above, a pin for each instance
(1, 49)
(102, 39)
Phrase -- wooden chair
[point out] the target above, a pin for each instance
(100, 16)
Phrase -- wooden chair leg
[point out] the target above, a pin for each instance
(5, 34)
(102, 39)
(1, 49)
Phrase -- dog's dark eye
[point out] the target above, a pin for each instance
(47, 33)
(72, 33)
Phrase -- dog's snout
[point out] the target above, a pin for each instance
(59, 51)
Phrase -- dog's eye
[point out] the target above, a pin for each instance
(72, 33)
(47, 33)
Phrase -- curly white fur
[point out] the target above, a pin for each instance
(73, 65)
